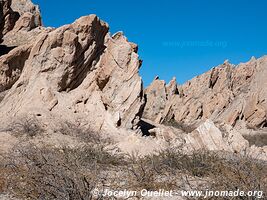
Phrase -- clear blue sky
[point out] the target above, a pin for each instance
(181, 38)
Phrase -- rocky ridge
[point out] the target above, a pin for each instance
(77, 73)
(235, 95)
(81, 74)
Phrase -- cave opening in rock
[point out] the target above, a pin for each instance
(145, 127)
(264, 124)
(5, 49)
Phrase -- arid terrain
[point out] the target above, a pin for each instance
(76, 118)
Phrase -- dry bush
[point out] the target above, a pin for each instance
(43, 173)
(28, 126)
(180, 125)
(31, 172)
(141, 174)
(35, 173)
(226, 172)
(240, 172)
(83, 134)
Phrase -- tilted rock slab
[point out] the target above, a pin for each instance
(8, 17)
(236, 95)
(76, 73)
(208, 136)
(26, 6)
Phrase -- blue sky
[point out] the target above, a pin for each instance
(181, 38)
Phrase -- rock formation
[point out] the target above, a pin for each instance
(232, 94)
(81, 74)
(26, 6)
(77, 73)
(72, 103)
(208, 136)
(7, 16)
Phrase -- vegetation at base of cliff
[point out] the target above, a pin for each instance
(35, 172)
(180, 125)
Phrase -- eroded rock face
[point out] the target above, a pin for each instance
(81, 74)
(118, 80)
(26, 6)
(18, 19)
(1, 20)
(208, 136)
(223, 137)
(157, 96)
(8, 17)
(18, 32)
(11, 66)
(232, 94)
(76, 73)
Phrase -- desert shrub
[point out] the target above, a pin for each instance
(25, 126)
(187, 128)
(32, 172)
(224, 172)
(240, 172)
(258, 140)
(83, 134)
(195, 164)
(44, 173)
(140, 173)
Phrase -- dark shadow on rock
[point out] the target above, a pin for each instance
(5, 49)
(259, 140)
(145, 127)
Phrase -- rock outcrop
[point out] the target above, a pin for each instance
(76, 73)
(20, 25)
(81, 74)
(232, 94)
(21, 22)
(26, 6)
(208, 136)
(8, 17)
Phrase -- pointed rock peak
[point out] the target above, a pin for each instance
(252, 59)
(157, 83)
(156, 78)
(173, 81)
(134, 47)
(88, 19)
(117, 35)
(24, 6)
(172, 87)
(226, 62)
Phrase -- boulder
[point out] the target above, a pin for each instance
(208, 136)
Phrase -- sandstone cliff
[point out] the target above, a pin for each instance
(81, 74)
(232, 94)
(75, 118)
(78, 73)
